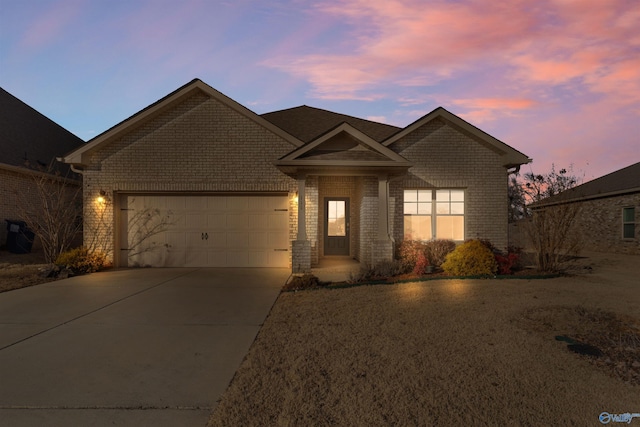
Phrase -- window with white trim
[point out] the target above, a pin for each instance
(430, 214)
(629, 223)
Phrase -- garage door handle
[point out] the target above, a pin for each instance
(204, 236)
(281, 250)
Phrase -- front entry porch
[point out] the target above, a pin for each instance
(335, 268)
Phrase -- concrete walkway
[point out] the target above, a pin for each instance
(144, 347)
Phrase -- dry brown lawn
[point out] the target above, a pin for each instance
(444, 352)
(21, 270)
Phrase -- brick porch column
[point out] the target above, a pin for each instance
(301, 247)
(382, 249)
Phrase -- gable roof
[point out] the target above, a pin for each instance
(511, 156)
(343, 148)
(79, 157)
(28, 139)
(622, 181)
(308, 123)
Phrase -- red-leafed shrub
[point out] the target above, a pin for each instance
(506, 263)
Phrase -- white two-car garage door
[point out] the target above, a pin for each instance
(205, 231)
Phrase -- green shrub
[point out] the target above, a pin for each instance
(437, 250)
(81, 261)
(472, 258)
(306, 281)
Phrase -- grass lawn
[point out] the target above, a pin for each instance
(443, 352)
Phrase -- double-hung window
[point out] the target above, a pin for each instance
(628, 223)
(430, 214)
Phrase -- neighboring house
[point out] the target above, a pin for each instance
(288, 187)
(29, 143)
(608, 218)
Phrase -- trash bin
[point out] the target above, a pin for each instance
(19, 237)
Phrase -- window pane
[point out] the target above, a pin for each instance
(336, 222)
(417, 227)
(628, 214)
(442, 195)
(442, 208)
(410, 208)
(410, 195)
(457, 195)
(424, 195)
(457, 208)
(629, 231)
(424, 208)
(450, 227)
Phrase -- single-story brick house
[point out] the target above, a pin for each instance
(289, 187)
(608, 219)
(29, 144)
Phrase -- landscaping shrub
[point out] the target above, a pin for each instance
(507, 263)
(408, 253)
(306, 281)
(472, 258)
(380, 271)
(437, 250)
(81, 261)
(420, 268)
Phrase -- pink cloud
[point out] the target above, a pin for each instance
(409, 43)
(50, 24)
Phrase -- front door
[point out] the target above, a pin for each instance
(336, 226)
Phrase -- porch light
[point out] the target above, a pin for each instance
(102, 198)
(295, 197)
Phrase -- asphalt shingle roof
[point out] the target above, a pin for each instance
(620, 181)
(28, 137)
(307, 123)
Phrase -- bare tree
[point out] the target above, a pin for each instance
(52, 209)
(551, 224)
(144, 224)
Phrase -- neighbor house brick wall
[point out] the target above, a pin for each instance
(446, 157)
(18, 191)
(600, 224)
(199, 145)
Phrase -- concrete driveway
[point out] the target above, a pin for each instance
(143, 347)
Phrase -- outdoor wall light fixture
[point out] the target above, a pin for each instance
(295, 197)
(102, 197)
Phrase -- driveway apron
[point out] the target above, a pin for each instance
(130, 347)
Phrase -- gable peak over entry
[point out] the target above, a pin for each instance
(343, 150)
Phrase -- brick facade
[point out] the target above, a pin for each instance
(199, 146)
(600, 224)
(202, 144)
(18, 191)
(447, 157)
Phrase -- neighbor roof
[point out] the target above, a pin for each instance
(623, 181)
(28, 138)
(307, 123)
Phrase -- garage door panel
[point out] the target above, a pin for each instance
(217, 221)
(258, 222)
(238, 240)
(237, 203)
(237, 221)
(216, 231)
(278, 222)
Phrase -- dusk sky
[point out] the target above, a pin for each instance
(556, 79)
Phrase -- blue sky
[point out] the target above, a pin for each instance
(556, 79)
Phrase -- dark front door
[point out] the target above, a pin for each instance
(336, 226)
